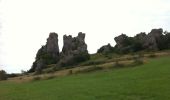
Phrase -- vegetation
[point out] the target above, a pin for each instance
(117, 64)
(3, 75)
(149, 81)
(36, 78)
(140, 42)
(76, 59)
(152, 55)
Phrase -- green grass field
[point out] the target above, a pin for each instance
(150, 81)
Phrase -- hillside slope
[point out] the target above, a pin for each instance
(145, 82)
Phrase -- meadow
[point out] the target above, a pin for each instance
(150, 81)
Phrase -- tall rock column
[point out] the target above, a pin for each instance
(47, 54)
(52, 46)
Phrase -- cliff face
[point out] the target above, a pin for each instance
(74, 51)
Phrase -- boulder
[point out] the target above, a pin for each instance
(124, 44)
(106, 49)
(120, 41)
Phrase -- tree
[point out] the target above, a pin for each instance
(3, 75)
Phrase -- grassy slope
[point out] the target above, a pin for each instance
(147, 82)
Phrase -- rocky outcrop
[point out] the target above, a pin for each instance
(141, 37)
(150, 41)
(74, 50)
(124, 44)
(105, 49)
(48, 54)
(52, 46)
(121, 41)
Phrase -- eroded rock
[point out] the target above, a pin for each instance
(74, 50)
(106, 49)
(48, 54)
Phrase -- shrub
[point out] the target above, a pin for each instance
(152, 55)
(3, 75)
(36, 78)
(117, 64)
(70, 72)
(90, 69)
(94, 62)
(81, 57)
(50, 77)
(137, 60)
(12, 75)
(108, 56)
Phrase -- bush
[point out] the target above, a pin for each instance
(137, 60)
(49, 77)
(12, 75)
(36, 78)
(3, 75)
(152, 55)
(70, 72)
(108, 56)
(117, 64)
(81, 57)
(90, 69)
(94, 63)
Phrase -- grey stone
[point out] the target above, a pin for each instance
(120, 41)
(48, 54)
(152, 39)
(105, 49)
(74, 50)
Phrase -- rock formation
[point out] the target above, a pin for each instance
(150, 41)
(105, 49)
(48, 54)
(74, 50)
(141, 37)
(52, 46)
(121, 40)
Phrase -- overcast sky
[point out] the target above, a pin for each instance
(25, 24)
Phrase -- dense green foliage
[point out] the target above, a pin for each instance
(145, 82)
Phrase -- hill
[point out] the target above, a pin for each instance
(149, 81)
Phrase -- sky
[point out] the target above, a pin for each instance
(26, 24)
